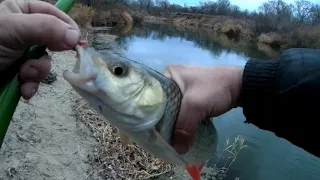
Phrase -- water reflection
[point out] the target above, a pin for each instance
(267, 156)
(215, 44)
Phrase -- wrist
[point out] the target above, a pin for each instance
(235, 86)
(259, 81)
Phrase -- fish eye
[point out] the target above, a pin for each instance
(118, 70)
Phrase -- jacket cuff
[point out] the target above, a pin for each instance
(259, 87)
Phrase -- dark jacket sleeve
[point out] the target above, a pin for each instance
(283, 96)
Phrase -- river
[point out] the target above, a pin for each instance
(266, 156)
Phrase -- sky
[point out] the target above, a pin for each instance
(243, 4)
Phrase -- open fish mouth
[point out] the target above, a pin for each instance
(83, 75)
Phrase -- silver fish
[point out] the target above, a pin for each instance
(142, 103)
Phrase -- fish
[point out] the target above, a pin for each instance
(142, 104)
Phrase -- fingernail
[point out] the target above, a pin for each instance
(72, 37)
(31, 92)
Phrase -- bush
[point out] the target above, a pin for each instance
(97, 13)
(138, 17)
(302, 37)
(82, 15)
(112, 15)
(272, 39)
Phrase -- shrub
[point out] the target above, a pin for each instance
(273, 39)
(112, 15)
(302, 37)
(82, 15)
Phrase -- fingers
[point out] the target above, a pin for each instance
(35, 70)
(31, 73)
(32, 7)
(29, 89)
(187, 124)
(26, 30)
(30, 23)
(191, 113)
(41, 7)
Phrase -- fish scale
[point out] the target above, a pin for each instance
(166, 125)
(205, 142)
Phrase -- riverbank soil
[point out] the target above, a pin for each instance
(44, 139)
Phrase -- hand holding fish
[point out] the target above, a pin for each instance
(207, 92)
(142, 103)
(26, 23)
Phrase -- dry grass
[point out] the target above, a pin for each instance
(112, 15)
(154, 19)
(231, 151)
(100, 14)
(295, 35)
(138, 16)
(273, 39)
(302, 37)
(271, 52)
(82, 15)
(299, 37)
(233, 28)
(112, 159)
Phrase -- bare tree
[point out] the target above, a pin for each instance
(303, 11)
(223, 7)
(315, 14)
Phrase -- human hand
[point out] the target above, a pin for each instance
(207, 92)
(26, 23)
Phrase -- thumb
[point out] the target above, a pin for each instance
(24, 30)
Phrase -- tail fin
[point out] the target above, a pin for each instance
(194, 171)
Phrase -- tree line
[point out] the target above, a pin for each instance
(301, 11)
(273, 15)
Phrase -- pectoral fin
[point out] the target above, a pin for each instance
(124, 139)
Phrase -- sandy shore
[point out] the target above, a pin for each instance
(44, 139)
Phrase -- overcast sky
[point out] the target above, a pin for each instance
(243, 4)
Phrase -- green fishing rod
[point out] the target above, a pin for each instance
(10, 93)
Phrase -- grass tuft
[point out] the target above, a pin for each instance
(111, 159)
(231, 150)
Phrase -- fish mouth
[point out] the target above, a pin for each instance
(82, 76)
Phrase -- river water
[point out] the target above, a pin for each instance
(266, 156)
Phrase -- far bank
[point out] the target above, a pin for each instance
(297, 36)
